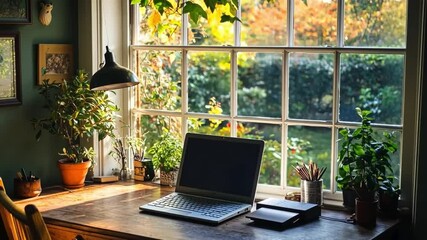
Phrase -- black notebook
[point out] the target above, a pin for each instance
(274, 212)
(274, 218)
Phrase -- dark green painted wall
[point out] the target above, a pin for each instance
(18, 147)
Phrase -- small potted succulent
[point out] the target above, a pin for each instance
(166, 156)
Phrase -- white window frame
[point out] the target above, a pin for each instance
(102, 23)
(91, 54)
(406, 152)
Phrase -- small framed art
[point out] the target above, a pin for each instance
(10, 69)
(15, 12)
(56, 62)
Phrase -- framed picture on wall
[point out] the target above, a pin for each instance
(10, 69)
(56, 62)
(15, 12)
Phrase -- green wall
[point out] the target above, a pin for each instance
(18, 147)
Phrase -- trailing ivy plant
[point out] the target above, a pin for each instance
(363, 160)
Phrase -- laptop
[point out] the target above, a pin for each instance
(216, 181)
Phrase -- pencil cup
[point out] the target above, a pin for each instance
(312, 192)
(27, 189)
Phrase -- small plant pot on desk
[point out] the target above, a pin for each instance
(349, 199)
(143, 170)
(366, 213)
(27, 189)
(168, 178)
(388, 204)
(73, 174)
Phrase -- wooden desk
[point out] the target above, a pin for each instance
(110, 211)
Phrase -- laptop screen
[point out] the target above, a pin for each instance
(220, 167)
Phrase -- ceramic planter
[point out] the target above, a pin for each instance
(388, 204)
(168, 178)
(349, 199)
(73, 174)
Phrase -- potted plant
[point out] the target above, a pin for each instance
(388, 198)
(344, 183)
(166, 156)
(75, 114)
(363, 164)
(119, 154)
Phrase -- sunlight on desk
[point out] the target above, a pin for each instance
(110, 211)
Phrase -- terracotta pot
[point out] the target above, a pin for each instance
(366, 213)
(73, 174)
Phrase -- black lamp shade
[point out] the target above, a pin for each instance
(112, 76)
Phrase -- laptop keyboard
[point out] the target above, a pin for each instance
(203, 206)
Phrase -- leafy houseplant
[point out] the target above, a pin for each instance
(364, 161)
(166, 156)
(75, 114)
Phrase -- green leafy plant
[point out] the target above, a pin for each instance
(363, 160)
(166, 152)
(387, 187)
(76, 113)
(195, 9)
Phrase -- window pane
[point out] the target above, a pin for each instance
(310, 86)
(151, 128)
(167, 32)
(379, 23)
(208, 77)
(212, 31)
(259, 84)
(257, 25)
(315, 23)
(272, 157)
(308, 144)
(160, 76)
(372, 82)
(211, 126)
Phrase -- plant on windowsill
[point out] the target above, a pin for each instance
(363, 163)
(75, 114)
(388, 197)
(166, 157)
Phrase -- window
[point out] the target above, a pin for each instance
(291, 75)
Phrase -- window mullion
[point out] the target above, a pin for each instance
(340, 23)
(290, 26)
(184, 27)
(237, 26)
(284, 126)
(335, 119)
(233, 95)
(184, 90)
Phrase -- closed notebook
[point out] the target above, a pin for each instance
(274, 217)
